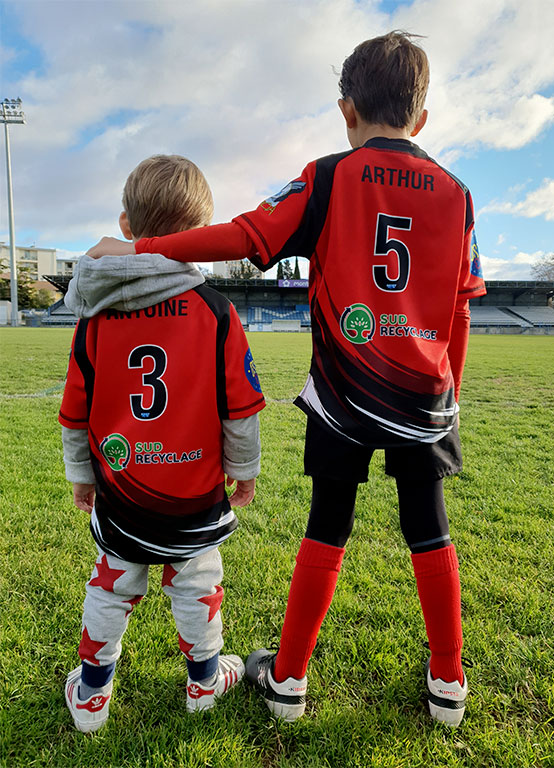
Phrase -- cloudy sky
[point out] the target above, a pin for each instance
(247, 89)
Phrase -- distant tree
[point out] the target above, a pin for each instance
(544, 268)
(287, 269)
(296, 270)
(243, 270)
(28, 296)
(42, 299)
(280, 271)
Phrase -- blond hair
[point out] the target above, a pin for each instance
(165, 194)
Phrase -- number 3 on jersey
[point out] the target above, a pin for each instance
(382, 247)
(139, 358)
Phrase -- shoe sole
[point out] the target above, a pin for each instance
(446, 715)
(287, 712)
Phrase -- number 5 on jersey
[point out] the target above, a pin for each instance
(150, 379)
(382, 247)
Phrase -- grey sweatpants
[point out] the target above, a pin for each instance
(116, 586)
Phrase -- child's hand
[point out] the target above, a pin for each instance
(243, 493)
(83, 496)
(111, 246)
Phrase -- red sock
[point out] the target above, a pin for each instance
(438, 585)
(311, 591)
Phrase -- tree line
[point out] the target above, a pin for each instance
(28, 295)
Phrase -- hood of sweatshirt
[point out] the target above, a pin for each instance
(127, 282)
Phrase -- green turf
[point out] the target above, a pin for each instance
(366, 696)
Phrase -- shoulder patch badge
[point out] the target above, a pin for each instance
(476, 269)
(294, 187)
(250, 371)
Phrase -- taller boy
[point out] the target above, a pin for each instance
(393, 262)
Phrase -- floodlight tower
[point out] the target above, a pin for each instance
(11, 112)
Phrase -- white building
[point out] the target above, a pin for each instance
(39, 261)
(229, 269)
(65, 265)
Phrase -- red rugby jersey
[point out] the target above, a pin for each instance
(152, 387)
(389, 235)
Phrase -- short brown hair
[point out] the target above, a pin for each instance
(387, 79)
(166, 194)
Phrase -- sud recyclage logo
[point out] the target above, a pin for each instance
(357, 324)
(116, 450)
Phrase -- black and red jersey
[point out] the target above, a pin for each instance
(389, 235)
(152, 387)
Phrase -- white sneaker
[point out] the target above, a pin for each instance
(229, 671)
(88, 715)
(447, 701)
(287, 699)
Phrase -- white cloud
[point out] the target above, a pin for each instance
(246, 90)
(489, 62)
(528, 258)
(539, 202)
(495, 268)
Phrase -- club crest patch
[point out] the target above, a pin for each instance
(250, 371)
(357, 323)
(116, 450)
(293, 187)
(476, 269)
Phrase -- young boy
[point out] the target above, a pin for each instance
(393, 262)
(161, 401)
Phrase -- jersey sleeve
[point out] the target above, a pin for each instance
(73, 411)
(219, 242)
(243, 389)
(282, 225)
(471, 283)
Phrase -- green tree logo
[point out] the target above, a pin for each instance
(357, 324)
(116, 450)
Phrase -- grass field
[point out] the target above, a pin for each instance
(366, 694)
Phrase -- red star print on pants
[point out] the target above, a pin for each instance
(213, 601)
(88, 648)
(132, 602)
(105, 576)
(168, 575)
(186, 648)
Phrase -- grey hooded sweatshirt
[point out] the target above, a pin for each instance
(134, 282)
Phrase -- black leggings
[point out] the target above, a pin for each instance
(423, 519)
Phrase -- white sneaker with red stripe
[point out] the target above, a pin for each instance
(88, 715)
(229, 672)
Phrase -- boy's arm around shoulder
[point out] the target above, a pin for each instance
(241, 456)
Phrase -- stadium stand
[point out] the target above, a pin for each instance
(510, 306)
(58, 315)
(266, 315)
(488, 316)
(537, 316)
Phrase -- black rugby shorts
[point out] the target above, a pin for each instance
(328, 454)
